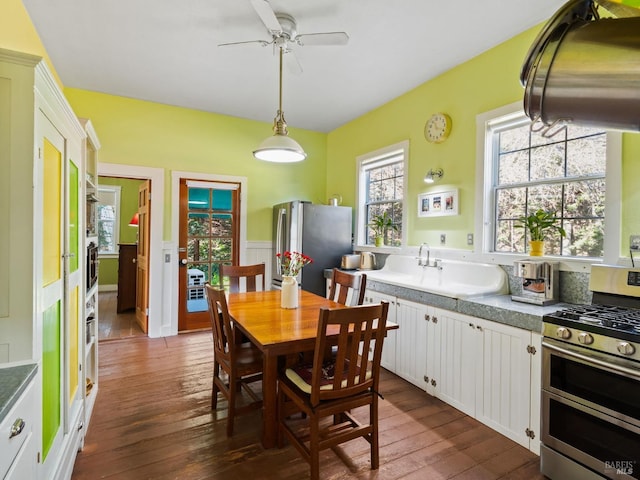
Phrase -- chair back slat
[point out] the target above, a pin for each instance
(354, 331)
(249, 273)
(223, 333)
(342, 283)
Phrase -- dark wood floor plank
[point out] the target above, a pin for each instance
(153, 420)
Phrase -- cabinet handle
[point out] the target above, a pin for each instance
(433, 382)
(434, 319)
(472, 325)
(17, 427)
(427, 317)
(479, 327)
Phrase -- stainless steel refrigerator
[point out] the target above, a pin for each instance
(321, 232)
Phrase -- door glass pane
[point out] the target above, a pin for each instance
(210, 234)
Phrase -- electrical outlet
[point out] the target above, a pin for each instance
(469, 238)
(443, 239)
(634, 242)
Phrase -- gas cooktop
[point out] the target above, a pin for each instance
(611, 320)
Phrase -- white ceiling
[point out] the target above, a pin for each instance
(166, 50)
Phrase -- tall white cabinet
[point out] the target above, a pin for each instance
(43, 256)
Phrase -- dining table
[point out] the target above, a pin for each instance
(278, 333)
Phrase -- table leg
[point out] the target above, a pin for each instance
(269, 400)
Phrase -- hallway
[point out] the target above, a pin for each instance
(112, 325)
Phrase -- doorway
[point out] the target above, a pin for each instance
(157, 324)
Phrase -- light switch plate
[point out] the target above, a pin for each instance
(443, 238)
(634, 242)
(469, 238)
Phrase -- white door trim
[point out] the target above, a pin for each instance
(159, 326)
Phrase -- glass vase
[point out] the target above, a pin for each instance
(289, 295)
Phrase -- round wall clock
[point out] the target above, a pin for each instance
(438, 128)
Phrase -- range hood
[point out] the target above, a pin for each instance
(584, 69)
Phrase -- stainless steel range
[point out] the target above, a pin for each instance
(591, 382)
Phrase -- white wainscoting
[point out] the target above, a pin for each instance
(261, 252)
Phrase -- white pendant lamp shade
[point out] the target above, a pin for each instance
(280, 147)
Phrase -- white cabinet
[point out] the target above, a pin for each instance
(486, 369)
(411, 341)
(42, 240)
(17, 442)
(388, 360)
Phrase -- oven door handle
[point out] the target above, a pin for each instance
(593, 361)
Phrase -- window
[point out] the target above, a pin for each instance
(566, 173)
(108, 219)
(381, 187)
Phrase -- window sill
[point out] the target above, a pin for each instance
(385, 249)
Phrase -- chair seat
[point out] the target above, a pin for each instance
(248, 360)
(300, 376)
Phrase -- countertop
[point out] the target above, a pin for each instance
(497, 308)
(13, 381)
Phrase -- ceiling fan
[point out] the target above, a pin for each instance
(284, 33)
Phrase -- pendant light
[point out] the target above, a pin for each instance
(280, 147)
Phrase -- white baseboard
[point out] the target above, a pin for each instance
(108, 288)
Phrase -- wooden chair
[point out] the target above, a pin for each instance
(347, 282)
(323, 389)
(242, 362)
(249, 272)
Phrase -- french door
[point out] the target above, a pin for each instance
(209, 237)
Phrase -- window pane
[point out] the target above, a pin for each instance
(198, 249)
(514, 139)
(222, 225)
(513, 167)
(547, 161)
(221, 249)
(199, 198)
(545, 197)
(508, 237)
(511, 203)
(587, 156)
(222, 199)
(585, 199)
(199, 225)
(584, 237)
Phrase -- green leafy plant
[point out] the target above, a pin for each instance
(381, 223)
(540, 224)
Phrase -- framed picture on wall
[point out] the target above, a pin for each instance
(438, 204)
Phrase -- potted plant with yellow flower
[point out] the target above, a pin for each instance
(540, 224)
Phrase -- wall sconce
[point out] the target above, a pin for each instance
(433, 175)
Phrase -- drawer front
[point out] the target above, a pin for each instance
(10, 445)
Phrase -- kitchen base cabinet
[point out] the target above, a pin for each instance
(488, 370)
(18, 452)
(388, 360)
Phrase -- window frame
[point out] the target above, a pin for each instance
(402, 149)
(117, 190)
(486, 124)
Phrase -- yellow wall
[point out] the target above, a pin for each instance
(18, 33)
(135, 132)
(486, 82)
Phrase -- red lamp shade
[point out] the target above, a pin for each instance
(134, 220)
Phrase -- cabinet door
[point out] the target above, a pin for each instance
(411, 342)
(504, 381)
(458, 360)
(389, 347)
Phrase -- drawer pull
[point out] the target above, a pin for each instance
(17, 427)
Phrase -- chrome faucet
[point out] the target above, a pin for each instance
(421, 260)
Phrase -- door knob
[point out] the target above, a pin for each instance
(183, 262)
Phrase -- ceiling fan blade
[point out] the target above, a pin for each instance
(231, 44)
(267, 15)
(618, 9)
(327, 38)
(292, 62)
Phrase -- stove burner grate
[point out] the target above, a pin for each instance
(610, 316)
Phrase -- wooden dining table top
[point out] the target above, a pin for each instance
(260, 316)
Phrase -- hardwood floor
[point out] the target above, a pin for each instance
(112, 325)
(153, 420)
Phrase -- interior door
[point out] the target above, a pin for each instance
(209, 236)
(142, 259)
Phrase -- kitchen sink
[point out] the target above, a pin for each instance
(450, 278)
